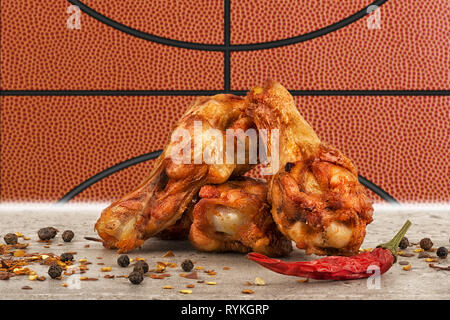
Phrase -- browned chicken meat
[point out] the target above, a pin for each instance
(316, 198)
(235, 216)
(164, 195)
(179, 230)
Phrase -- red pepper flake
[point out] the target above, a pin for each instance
(27, 288)
(248, 291)
(109, 276)
(168, 254)
(157, 276)
(192, 275)
(226, 268)
(432, 265)
(87, 246)
(100, 264)
(190, 286)
(5, 275)
(407, 255)
(200, 281)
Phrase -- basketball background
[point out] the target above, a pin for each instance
(84, 91)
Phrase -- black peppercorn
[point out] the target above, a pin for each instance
(404, 243)
(55, 271)
(66, 257)
(426, 244)
(187, 265)
(68, 235)
(141, 266)
(47, 233)
(123, 261)
(442, 252)
(136, 277)
(10, 238)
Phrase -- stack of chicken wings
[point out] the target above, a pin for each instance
(313, 196)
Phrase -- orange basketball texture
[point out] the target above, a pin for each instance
(51, 144)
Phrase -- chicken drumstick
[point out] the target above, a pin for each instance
(316, 198)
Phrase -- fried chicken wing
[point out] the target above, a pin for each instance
(179, 230)
(235, 216)
(164, 195)
(316, 198)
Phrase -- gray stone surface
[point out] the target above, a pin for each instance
(421, 282)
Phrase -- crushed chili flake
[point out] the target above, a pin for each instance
(87, 246)
(407, 268)
(172, 265)
(211, 283)
(248, 283)
(418, 250)
(248, 291)
(100, 264)
(432, 260)
(407, 255)
(5, 275)
(168, 254)
(156, 276)
(41, 278)
(109, 276)
(226, 268)
(200, 281)
(199, 268)
(160, 267)
(190, 286)
(432, 265)
(105, 269)
(64, 285)
(141, 259)
(259, 281)
(32, 277)
(192, 275)
(19, 253)
(167, 287)
(303, 280)
(186, 291)
(27, 288)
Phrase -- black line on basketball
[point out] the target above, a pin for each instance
(153, 155)
(224, 47)
(213, 92)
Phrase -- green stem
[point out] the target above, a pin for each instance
(393, 244)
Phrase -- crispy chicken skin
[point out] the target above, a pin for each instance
(316, 198)
(235, 216)
(164, 195)
(179, 230)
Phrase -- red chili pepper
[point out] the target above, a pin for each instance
(337, 267)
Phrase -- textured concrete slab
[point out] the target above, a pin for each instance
(421, 282)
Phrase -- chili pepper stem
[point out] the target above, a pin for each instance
(393, 244)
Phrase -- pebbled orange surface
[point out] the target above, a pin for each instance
(192, 21)
(52, 144)
(255, 21)
(409, 51)
(39, 52)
